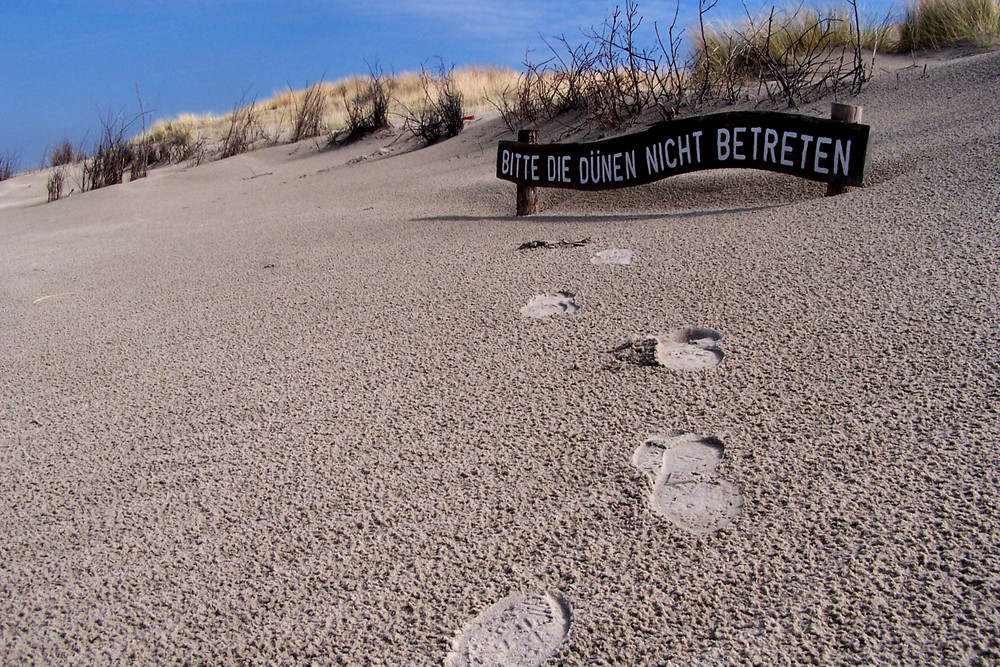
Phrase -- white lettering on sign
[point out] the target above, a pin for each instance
(738, 144)
(519, 166)
(786, 149)
(811, 152)
(805, 148)
(841, 156)
(558, 169)
(607, 168)
(674, 152)
(722, 142)
(770, 143)
(821, 155)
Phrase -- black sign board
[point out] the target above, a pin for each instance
(815, 148)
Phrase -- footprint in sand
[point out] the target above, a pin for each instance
(613, 256)
(546, 305)
(686, 491)
(681, 457)
(522, 630)
(684, 349)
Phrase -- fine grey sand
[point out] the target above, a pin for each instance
(299, 418)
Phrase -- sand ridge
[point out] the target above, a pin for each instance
(300, 419)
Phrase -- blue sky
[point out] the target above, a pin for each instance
(64, 65)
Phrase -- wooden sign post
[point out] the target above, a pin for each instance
(826, 150)
(844, 113)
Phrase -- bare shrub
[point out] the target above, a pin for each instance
(141, 156)
(670, 75)
(785, 58)
(609, 76)
(441, 113)
(564, 80)
(549, 88)
(112, 155)
(522, 104)
(871, 37)
(451, 105)
(368, 111)
(519, 105)
(63, 154)
(244, 128)
(9, 164)
(789, 56)
(141, 148)
(622, 82)
(107, 166)
(54, 185)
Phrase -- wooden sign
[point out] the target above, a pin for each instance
(815, 148)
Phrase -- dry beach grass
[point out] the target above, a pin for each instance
(279, 118)
(285, 408)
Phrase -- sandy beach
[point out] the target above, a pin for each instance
(287, 407)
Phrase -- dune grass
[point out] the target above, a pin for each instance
(936, 24)
(795, 29)
(794, 53)
(785, 34)
(175, 140)
(320, 109)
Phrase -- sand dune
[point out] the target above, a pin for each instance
(286, 408)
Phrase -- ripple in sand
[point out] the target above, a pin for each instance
(684, 349)
(546, 305)
(613, 256)
(523, 630)
(685, 491)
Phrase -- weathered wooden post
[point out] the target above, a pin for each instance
(527, 196)
(845, 113)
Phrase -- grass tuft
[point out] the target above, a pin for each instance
(174, 141)
(112, 156)
(107, 166)
(244, 128)
(440, 113)
(936, 24)
(368, 110)
(64, 154)
(308, 110)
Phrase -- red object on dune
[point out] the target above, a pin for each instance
(469, 118)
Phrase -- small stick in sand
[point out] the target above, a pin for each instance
(561, 243)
